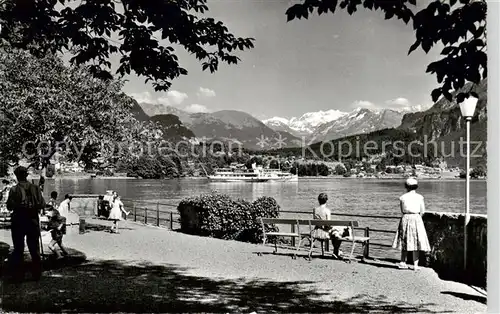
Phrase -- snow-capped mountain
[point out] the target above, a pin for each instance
(416, 108)
(227, 125)
(333, 123)
(358, 121)
(304, 125)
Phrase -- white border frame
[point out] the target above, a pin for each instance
(493, 149)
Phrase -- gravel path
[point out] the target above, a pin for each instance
(147, 269)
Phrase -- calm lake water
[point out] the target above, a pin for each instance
(360, 196)
(346, 195)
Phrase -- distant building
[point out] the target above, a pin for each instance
(70, 167)
(441, 164)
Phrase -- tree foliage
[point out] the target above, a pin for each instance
(310, 169)
(340, 169)
(46, 106)
(460, 26)
(147, 31)
(274, 164)
(478, 172)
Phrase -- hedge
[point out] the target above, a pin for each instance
(219, 216)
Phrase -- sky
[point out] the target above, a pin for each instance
(332, 61)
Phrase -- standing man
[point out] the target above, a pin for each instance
(25, 202)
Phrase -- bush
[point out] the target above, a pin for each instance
(340, 169)
(217, 215)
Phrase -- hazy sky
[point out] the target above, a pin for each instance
(327, 62)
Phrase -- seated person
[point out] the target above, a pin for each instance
(56, 223)
(328, 232)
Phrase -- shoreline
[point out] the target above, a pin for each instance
(423, 179)
(448, 177)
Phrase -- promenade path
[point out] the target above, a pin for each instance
(148, 269)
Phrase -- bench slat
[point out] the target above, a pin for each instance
(284, 234)
(278, 221)
(317, 222)
(356, 239)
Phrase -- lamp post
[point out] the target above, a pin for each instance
(467, 108)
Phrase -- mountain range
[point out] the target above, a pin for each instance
(440, 130)
(241, 127)
(442, 122)
(333, 124)
(230, 126)
(304, 125)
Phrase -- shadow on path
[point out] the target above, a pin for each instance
(466, 296)
(117, 286)
(103, 228)
(49, 262)
(380, 263)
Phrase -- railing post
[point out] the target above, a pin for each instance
(158, 214)
(145, 215)
(292, 230)
(366, 252)
(135, 210)
(171, 221)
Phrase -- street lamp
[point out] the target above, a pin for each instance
(467, 108)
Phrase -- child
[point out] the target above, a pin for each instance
(116, 213)
(56, 224)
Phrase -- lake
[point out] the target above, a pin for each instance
(346, 195)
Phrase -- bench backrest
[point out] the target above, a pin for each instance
(310, 222)
(278, 221)
(318, 222)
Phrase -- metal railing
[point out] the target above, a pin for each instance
(144, 209)
(151, 213)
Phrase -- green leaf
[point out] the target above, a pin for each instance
(414, 46)
(460, 97)
(426, 45)
(479, 32)
(447, 50)
(436, 93)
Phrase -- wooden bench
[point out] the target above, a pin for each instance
(282, 221)
(312, 224)
(351, 224)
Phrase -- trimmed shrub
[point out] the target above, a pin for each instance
(219, 216)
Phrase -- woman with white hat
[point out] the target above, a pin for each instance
(411, 235)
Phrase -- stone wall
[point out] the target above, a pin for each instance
(446, 236)
(84, 205)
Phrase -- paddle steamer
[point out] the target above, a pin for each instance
(256, 174)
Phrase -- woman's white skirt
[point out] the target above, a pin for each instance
(411, 234)
(115, 214)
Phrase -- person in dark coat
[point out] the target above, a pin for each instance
(25, 203)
